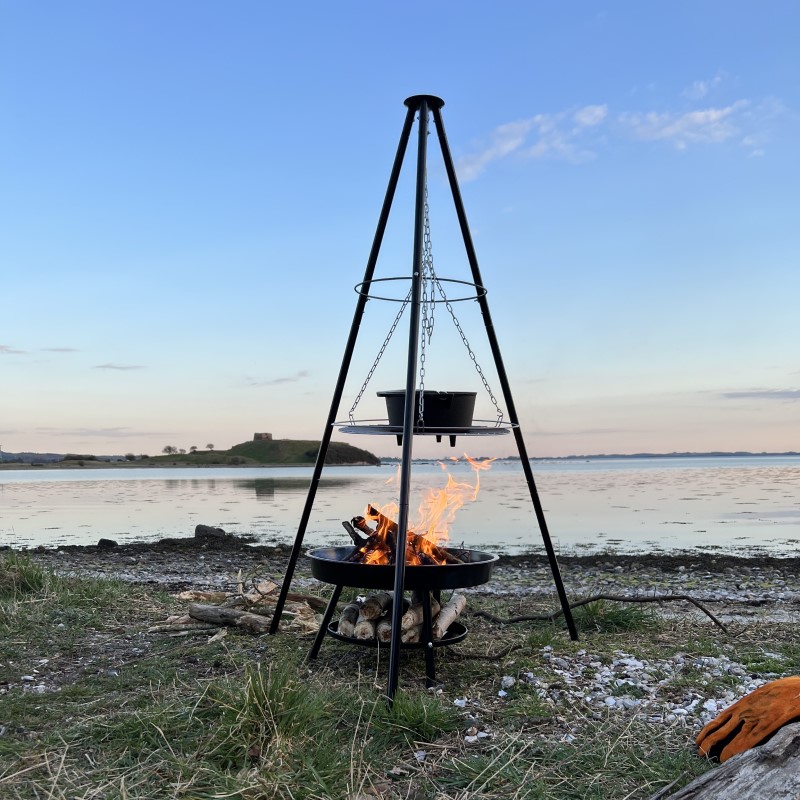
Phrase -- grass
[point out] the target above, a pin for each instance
(116, 712)
(272, 451)
(602, 616)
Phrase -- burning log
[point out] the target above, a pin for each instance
(413, 615)
(384, 523)
(361, 524)
(420, 546)
(448, 614)
(348, 619)
(358, 541)
(380, 546)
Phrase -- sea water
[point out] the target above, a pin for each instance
(736, 504)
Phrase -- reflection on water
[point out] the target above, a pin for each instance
(734, 504)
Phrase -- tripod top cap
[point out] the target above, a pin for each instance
(416, 100)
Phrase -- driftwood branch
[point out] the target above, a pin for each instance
(255, 623)
(769, 771)
(650, 598)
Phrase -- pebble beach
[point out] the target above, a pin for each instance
(737, 591)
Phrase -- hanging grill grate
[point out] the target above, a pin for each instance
(447, 411)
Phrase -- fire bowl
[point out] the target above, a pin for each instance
(328, 565)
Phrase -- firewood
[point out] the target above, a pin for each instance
(390, 527)
(361, 524)
(358, 540)
(383, 630)
(412, 635)
(357, 556)
(384, 523)
(375, 605)
(348, 618)
(450, 558)
(414, 615)
(365, 628)
(448, 614)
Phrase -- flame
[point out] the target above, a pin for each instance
(428, 533)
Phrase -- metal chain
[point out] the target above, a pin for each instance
(428, 304)
(460, 330)
(430, 283)
(378, 357)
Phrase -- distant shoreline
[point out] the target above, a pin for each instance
(103, 464)
(73, 465)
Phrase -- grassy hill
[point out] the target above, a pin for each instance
(277, 451)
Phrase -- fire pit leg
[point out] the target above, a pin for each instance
(326, 620)
(427, 639)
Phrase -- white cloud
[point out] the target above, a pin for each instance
(110, 433)
(504, 140)
(298, 376)
(541, 136)
(699, 89)
(589, 116)
(710, 125)
(575, 135)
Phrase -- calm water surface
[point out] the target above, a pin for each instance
(730, 504)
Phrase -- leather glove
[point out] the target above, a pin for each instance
(751, 720)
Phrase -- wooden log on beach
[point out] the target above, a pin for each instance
(255, 623)
(771, 770)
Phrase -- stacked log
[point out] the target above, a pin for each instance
(372, 619)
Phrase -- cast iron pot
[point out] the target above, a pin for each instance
(441, 409)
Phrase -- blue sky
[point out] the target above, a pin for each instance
(189, 192)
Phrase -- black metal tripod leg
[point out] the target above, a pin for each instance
(427, 640)
(501, 370)
(326, 620)
(343, 370)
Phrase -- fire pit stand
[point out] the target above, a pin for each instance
(421, 107)
(329, 565)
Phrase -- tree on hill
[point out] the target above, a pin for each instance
(209, 447)
(169, 450)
